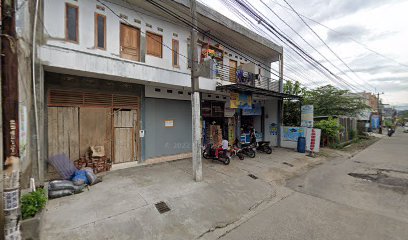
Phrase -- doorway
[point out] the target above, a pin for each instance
(124, 124)
(232, 71)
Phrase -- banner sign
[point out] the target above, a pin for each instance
(234, 100)
(293, 133)
(307, 116)
(239, 100)
(255, 111)
(245, 101)
(375, 121)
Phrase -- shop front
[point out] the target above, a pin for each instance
(232, 119)
(255, 109)
(215, 126)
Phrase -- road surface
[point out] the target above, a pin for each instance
(364, 197)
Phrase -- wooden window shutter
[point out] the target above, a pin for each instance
(175, 52)
(71, 23)
(154, 44)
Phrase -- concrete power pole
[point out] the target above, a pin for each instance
(379, 113)
(9, 93)
(195, 99)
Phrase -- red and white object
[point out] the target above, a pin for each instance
(313, 139)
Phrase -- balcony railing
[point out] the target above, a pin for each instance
(234, 75)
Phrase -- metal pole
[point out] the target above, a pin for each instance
(195, 99)
(9, 92)
(281, 73)
(379, 113)
(280, 101)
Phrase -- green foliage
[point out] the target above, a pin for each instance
(388, 123)
(32, 203)
(291, 114)
(329, 100)
(353, 134)
(330, 128)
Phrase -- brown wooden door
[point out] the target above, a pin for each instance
(129, 42)
(232, 71)
(125, 124)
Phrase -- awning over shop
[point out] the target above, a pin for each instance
(256, 90)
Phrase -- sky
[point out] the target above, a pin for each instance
(379, 25)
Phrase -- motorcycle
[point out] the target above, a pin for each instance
(248, 149)
(263, 146)
(390, 132)
(236, 151)
(223, 155)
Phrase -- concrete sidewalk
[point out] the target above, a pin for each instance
(122, 206)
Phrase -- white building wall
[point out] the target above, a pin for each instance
(271, 118)
(54, 20)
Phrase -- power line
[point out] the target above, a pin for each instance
(210, 36)
(238, 16)
(339, 33)
(305, 40)
(328, 47)
(304, 55)
(256, 28)
(117, 15)
(291, 47)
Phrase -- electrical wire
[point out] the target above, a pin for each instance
(339, 33)
(322, 69)
(328, 47)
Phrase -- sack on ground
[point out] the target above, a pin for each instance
(90, 175)
(80, 178)
(60, 193)
(61, 185)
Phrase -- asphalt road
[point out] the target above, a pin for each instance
(364, 197)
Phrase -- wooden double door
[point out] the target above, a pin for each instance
(72, 130)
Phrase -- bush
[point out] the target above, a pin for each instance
(330, 128)
(353, 134)
(32, 203)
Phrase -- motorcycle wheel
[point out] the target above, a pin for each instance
(240, 156)
(205, 155)
(227, 160)
(268, 150)
(251, 153)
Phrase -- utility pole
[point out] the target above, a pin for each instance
(195, 99)
(9, 93)
(379, 112)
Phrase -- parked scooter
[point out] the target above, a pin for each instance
(236, 151)
(390, 132)
(223, 155)
(263, 146)
(248, 149)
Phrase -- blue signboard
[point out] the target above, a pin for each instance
(293, 133)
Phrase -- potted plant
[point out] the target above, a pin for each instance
(32, 204)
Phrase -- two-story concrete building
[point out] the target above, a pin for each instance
(117, 74)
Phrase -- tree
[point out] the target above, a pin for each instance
(329, 100)
(291, 113)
